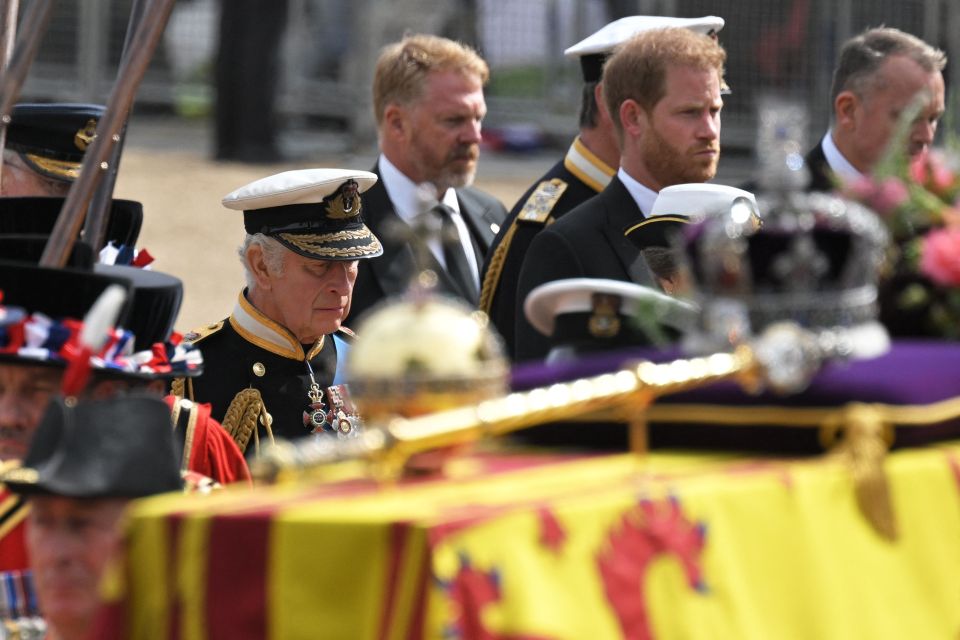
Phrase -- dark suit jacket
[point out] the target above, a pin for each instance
(820, 172)
(589, 242)
(821, 175)
(390, 274)
(503, 284)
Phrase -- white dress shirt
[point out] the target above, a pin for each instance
(643, 196)
(408, 205)
(838, 164)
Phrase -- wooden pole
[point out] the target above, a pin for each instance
(96, 159)
(17, 56)
(95, 227)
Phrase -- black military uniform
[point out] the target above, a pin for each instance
(391, 274)
(258, 377)
(602, 238)
(573, 180)
(249, 351)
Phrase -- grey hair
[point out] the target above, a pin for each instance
(273, 255)
(863, 55)
(50, 186)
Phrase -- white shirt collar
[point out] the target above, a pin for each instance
(642, 195)
(403, 191)
(838, 164)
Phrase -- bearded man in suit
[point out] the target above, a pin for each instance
(429, 105)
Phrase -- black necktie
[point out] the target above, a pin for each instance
(458, 266)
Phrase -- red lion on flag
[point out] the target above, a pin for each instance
(648, 530)
(471, 591)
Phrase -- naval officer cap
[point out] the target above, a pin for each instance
(52, 138)
(680, 204)
(316, 213)
(597, 309)
(594, 50)
(700, 199)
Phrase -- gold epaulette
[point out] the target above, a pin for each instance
(542, 200)
(196, 335)
(536, 210)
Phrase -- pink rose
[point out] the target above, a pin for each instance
(883, 196)
(940, 256)
(932, 172)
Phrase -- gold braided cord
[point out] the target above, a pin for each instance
(177, 387)
(861, 433)
(306, 243)
(866, 440)
(241, 417)
(648, 221)
(778, 416)
(337, 236)
(492, 278)
(538, 208)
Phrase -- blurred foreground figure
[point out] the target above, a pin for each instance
(41, 320)
(87, 461)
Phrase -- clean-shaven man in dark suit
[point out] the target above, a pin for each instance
(428, 102)
(662, 89)
(879, 75)
(588, 166)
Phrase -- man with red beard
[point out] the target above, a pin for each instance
(428, 102)
(585, 170)
(662, 89)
